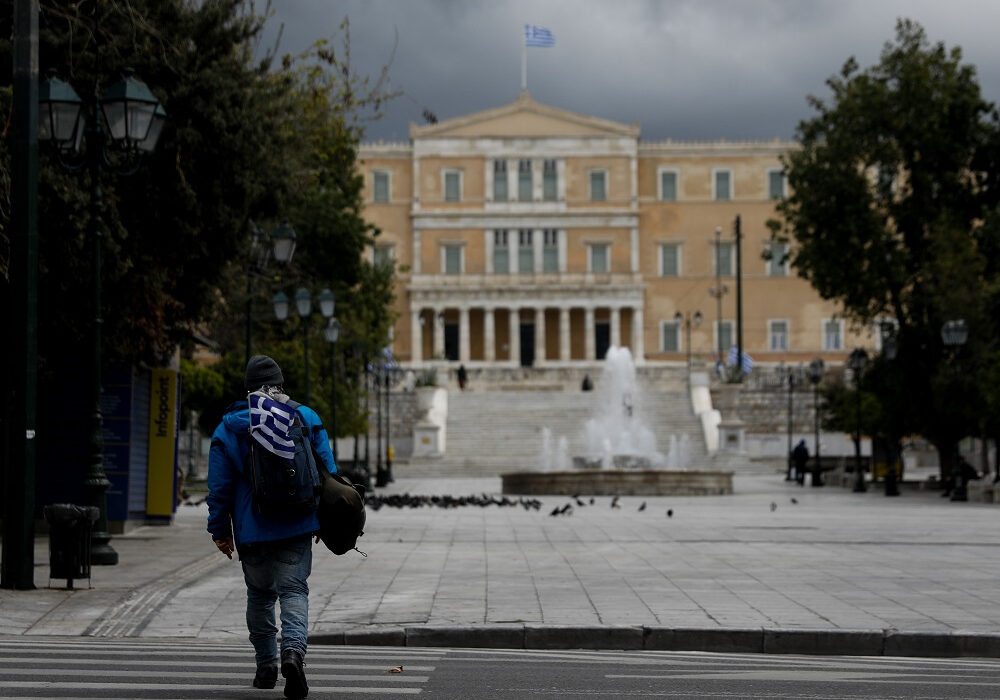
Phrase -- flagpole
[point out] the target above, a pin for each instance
(524, 63)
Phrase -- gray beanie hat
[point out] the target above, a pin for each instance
(262, 371)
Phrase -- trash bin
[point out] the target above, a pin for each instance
(69, 540)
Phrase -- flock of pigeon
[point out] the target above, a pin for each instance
(580, 503)
(405, 500)
(376, 501)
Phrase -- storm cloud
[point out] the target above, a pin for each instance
(682, 69)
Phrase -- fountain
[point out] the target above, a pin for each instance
(621, 455)
(617, 434)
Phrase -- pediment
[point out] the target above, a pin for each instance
(524, 118)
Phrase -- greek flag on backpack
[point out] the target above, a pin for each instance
(282, 464)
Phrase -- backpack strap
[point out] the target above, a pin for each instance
(321, 469)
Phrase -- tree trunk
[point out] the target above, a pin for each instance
(947, 459)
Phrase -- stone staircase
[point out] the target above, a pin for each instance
(492, 431)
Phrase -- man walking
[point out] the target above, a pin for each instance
(275, 550)
(800, 458)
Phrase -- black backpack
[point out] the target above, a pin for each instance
(285, 487)
(296, 487)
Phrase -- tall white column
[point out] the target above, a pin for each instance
(638, 351)
(564, 342)
(416, 337)
(616, 326)
(590, 350)
(489, 335)
(438, 333)
(515, 335)
(539, 335)
(463, 334)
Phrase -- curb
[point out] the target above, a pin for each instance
(826, 642)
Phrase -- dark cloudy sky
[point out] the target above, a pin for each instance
(681, 69)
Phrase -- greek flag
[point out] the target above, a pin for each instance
(538, 36)
(270, 422)
(747, 360)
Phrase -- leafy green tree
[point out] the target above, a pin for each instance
(890, 188)
(201, 387)
(249, 138)
(172, 227)
(330, 105)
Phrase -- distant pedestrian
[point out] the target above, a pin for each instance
(275, 550)
(586, 384)
(800, 458)
(463, 377)
(964, 473)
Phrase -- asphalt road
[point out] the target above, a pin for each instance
(144, 668)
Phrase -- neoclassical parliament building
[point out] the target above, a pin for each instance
(527, 235)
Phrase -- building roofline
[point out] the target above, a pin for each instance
(523, 103)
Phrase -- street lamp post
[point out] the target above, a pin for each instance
(391, 371)
(303, 308)
(816, 376)
(890, 346)
(718, 290)
(17, 562)
(738, 237)
(688, 320)
(954, 333)
(361, 349)
(129, 118)
(378, 366)
(281, 247)
(332, 334)
(791, 404)
(857, 361)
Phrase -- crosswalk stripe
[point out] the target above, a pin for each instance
(311, 663)
(50, 685)
(119, 673)
(189, 649)
(33, 668)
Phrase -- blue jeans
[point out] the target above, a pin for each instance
(277, 571)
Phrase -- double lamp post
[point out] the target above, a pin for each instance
(115, 129)
(303, 307)
(280, 246)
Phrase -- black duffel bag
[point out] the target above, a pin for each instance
(341, 513)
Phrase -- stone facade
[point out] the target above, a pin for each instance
(527, 235)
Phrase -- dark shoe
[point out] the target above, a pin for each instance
(266, 677)
(295, 676)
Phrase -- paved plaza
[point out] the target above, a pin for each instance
(772, 564)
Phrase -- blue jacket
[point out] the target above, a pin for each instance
(230, 495)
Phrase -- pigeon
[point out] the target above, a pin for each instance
(614, 502)
(555, 511)
(591, 500)
(774, 506)
(795, 500)
(642, 507)
(670, 512)
(579, 502)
